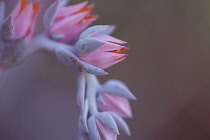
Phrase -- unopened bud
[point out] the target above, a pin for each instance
(87, 46)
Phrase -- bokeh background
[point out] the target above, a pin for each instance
(168, 70)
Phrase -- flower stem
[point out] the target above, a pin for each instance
(81, 92)
(92, 84)
(43, 43)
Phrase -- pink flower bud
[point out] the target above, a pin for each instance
(106, 55)
(116, 104)
(24, 17)
(99, 130)
(70, 21)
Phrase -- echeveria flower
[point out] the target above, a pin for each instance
(70, 21)
(102, 127)
(24, 18)
(113, 96)
(114, 103)
(103, 49)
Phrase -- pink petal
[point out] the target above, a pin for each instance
(98, 58)
(23, 22)
(108, 38)
(110, 63)
(116, 104)
(66, 11)
(15, 13)
(110, 47)
(67, 25)
(105, 133)
(33, 23)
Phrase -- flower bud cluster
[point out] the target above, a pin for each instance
(86, 50)
(102, 108)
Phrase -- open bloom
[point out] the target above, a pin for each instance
(24, 18)
(70, 21)
(108, 50)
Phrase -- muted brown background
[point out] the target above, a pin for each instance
(168, 69)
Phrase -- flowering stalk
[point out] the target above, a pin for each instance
(95, 125)
(87, 51)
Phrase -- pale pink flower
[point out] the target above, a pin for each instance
(24, 17)
(70, 21)
(116, 104)
(110, 53)
(102, 127)
(105, 132)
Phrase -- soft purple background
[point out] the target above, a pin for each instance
(168, 69)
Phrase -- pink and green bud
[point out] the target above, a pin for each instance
(70, 21)
(102, 127)
(113, 96)
(102, 50)
(24, 18)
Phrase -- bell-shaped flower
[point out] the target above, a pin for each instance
(113, 96)
(99, 49)
(102, 127)
(68, 21)
(24, 18)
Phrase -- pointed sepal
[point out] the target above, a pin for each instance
(109, 30)
(108, 121)
(87, 46)
(118, 88)
(7, 29)
(70, 60)
(94, 70)
(93, 30)
(122, 125)
(93, 130)
(64, 2)
(50, 14)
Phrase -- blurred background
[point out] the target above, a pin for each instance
(168, 70)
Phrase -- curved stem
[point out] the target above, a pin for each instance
(92, 84)
(43, 42)
(81, 92)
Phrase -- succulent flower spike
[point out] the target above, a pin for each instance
(99, 49)
(69, 21)
(24, 17)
